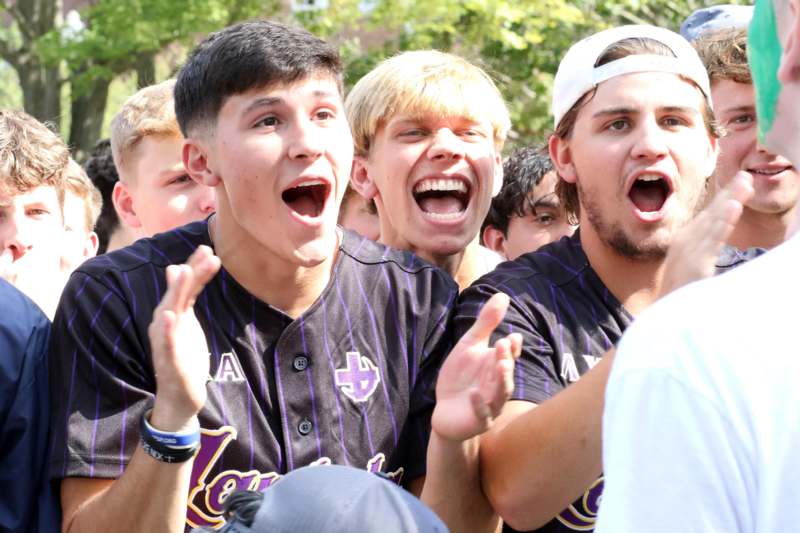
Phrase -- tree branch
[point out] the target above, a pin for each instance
(19, 18)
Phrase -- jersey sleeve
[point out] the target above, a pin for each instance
(672, 460)
(435, 347)
(535, 375)
(101, 378)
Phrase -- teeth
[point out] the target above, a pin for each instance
(768, 172)
(649, 177)
(441, 185)
(444, 216)
(311, 183)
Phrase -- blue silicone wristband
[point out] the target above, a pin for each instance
(177, 440)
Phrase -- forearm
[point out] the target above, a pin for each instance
(534, 466)
(150, 495)
(452, 486)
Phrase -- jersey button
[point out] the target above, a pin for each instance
(304, 427)
(300, 363)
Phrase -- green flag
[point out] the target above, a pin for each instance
(764, 56)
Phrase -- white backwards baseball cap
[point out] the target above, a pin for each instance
(578, 75)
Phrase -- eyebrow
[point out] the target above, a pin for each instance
(268, 101)
(631, 111)
(738, 109)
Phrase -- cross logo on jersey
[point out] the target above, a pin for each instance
(359, 378)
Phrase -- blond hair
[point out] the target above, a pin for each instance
(31, 155)
(151, 111)
(420, 83)
(79, 184)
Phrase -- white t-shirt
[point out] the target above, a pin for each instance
(701, 430)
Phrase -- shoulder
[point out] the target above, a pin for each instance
(23, 334)
(370, 259)
(559, 263)
(159, 251)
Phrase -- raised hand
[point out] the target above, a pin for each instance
(179, 348)
(693, 253)
(476, 380)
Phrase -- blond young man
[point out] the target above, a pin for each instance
(154, 193)
(82, 205)
(429, 156)
(777, 182)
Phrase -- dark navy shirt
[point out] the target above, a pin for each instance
(351, 381)
(28, 503)
(568, 320)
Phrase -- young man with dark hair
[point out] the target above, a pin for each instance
(324, 346)
(635, 146)
(526, 214)
(776, 181)
(701, 422)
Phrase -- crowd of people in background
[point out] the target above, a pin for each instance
(267, 305)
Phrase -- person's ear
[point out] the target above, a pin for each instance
(361, 178)
(92, 245)
(561, 155)
(195, 159)
(497, 183)
(125, 206)
(494, 239)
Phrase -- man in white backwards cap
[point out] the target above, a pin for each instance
(634, 147)
(702, 423)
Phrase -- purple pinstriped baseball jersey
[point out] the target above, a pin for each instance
(568, 320)
(351, 381)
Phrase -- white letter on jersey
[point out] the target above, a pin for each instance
(229, 369)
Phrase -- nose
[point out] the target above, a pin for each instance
(650, 143)
(445, 146)
(207, 200)
(762, 149)
(16, 238)
(306, 141)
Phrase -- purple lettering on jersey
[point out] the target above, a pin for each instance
(582, 515)
(359, 379)
(206, 498)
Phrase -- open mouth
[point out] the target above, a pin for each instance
(649, 193)
(308, 198)
(442, 199)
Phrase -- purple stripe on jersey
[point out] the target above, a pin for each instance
(203, 298)
(251, 334)
(311, 387)
(441, 323)
(332, 366)
(355, 349)
(130, 291)
(67, 411)
(224, 276)
(156, 285)
(186, 241)
(414, 347)
(393, 310)
(75, 299)
(124, 395)
(160, 253)
(93, 362)
(284, 419)
(129, 251)
(381, 360)
(561, 263)
(365, 417)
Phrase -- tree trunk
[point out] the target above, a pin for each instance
(146, 71)
(41, 90)
(88, 110)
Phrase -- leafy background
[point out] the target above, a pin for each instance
(74, 66)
